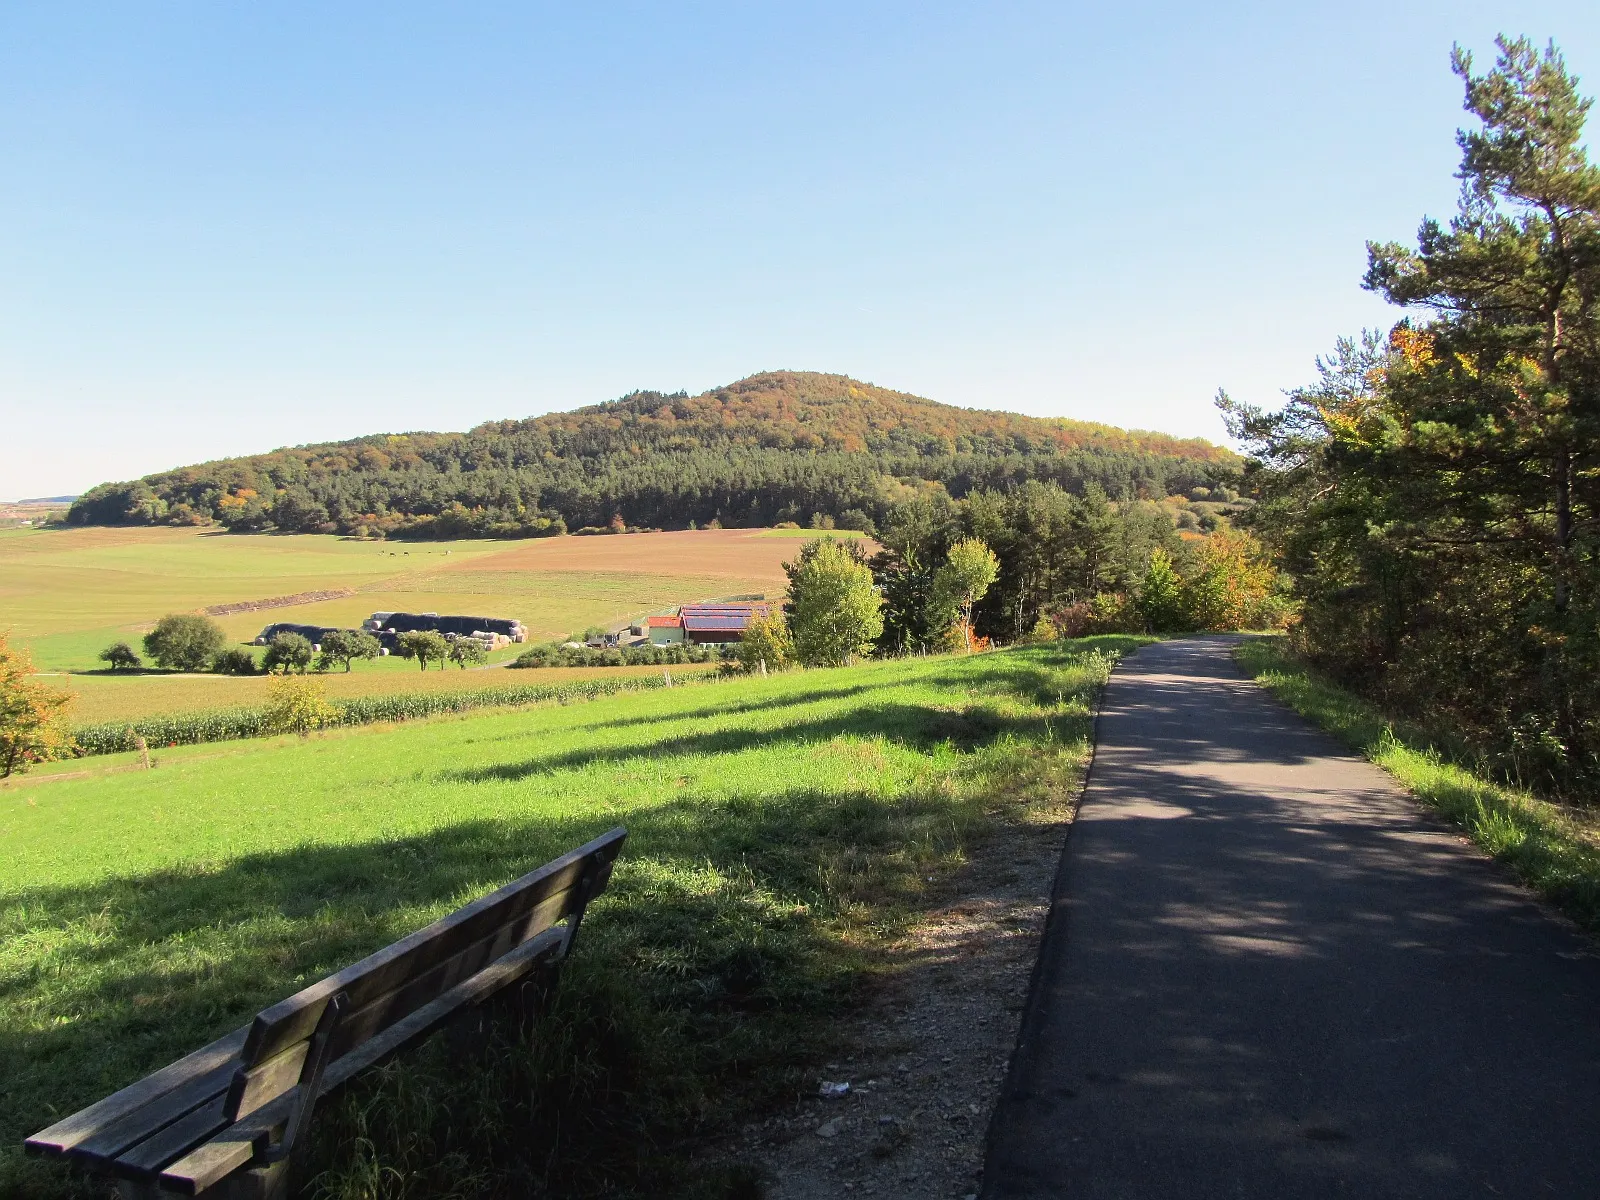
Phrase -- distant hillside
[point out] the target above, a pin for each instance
(774, 447)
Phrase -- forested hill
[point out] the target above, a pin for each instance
(774, 447)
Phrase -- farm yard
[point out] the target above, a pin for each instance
(782, 831)
(65, 594)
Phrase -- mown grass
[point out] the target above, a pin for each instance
(1552, 848)
(781, 831)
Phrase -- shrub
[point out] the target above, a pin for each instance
(120, 656)
(767, 641)
(30, 715)
(1161, 597)
(237, 661)
(297, 705)
(185, 642)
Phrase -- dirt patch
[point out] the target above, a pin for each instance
(245, 606)
(927, 1054)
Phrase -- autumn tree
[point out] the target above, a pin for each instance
(766, 643)
(31, 728)
(968, 571)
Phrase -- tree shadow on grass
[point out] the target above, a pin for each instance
(720, 933)
(727, 927)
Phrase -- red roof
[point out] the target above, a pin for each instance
(663, 622)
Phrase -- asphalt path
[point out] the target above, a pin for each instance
(1269, 972)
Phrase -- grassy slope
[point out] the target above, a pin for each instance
(780, 828)
(1552, 849)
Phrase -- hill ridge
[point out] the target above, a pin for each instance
(776, 445)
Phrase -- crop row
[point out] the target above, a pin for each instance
(228, 724)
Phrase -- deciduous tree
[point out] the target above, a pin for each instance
(425, 646)
(31, 728)
(468, 652)
(120, 656)
(767, 642)
(185, 642)
(287, 651)
(835, 612)
(968, 571)
(344, 646)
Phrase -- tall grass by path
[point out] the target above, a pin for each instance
(782, 831)
(1552, 848)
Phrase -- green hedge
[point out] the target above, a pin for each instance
(228, 724)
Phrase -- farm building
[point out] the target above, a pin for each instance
(493, 630)
(711, 624)
(664, 631)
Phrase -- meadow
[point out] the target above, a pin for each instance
(65, 594)
(782, 830)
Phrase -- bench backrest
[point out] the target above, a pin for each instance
(194, 1122)
(388, 986)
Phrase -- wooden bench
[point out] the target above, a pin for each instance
(225, 1119)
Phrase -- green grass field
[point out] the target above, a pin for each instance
(66, 594)
(781, 831)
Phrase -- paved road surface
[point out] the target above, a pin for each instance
(1269, 974)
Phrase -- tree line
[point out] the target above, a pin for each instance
(1435, 491)
(785, 446)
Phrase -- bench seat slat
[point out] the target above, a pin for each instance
(221, 1056)
(145, 1160)
(293, 1019)
(236, 1145)
(106, 1143)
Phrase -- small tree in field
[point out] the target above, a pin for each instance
(185, 642)
(837, 613)
(425, 646)
(968, 571)
(767, 640)
(30, 715)
(468, 652)
(120, 656)
(288, 651)
(345, 646)
(296, 704)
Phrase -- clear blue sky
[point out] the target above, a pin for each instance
(228, 227)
